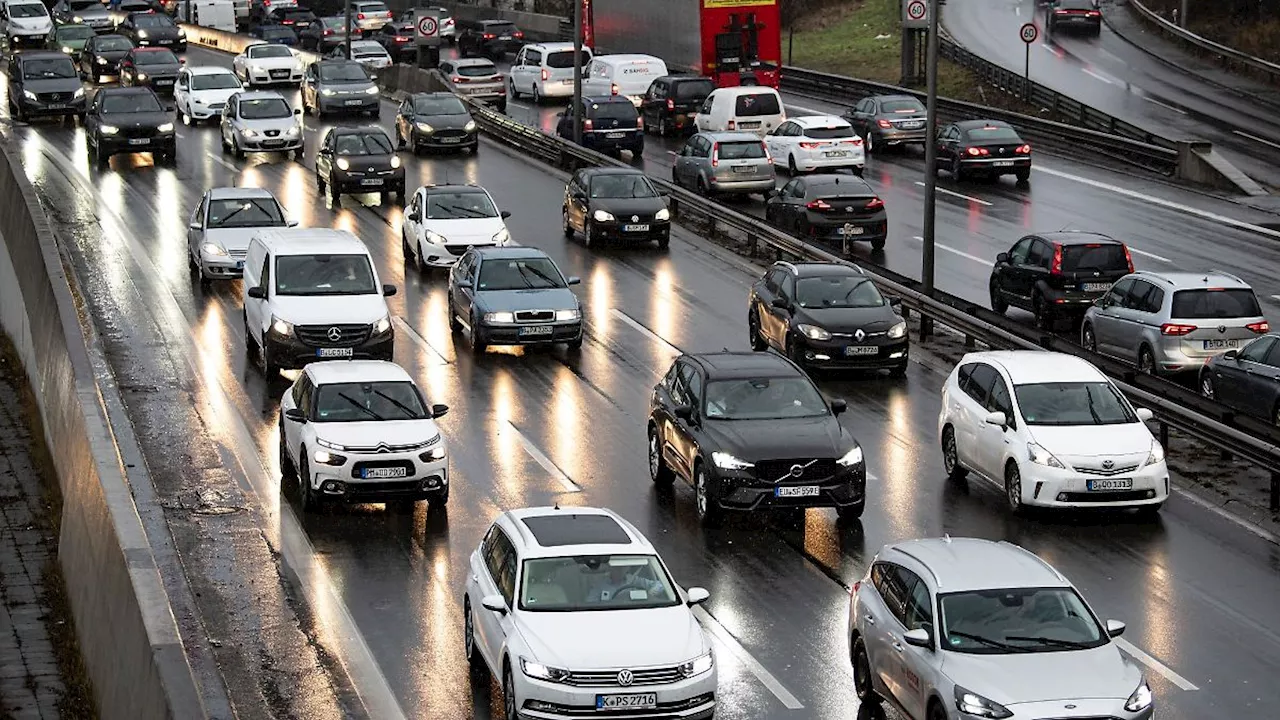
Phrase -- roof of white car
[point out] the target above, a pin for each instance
(560, 532)
(1191, 281)
(236, 193)
(1039, 366)
(312, 241)
(352, 371)
(812, 121)
(744, 90)
(368, 45)
(555, 46)
(209, 70)
(959, 564)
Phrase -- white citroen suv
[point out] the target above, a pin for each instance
(442, 221)
(576, 613)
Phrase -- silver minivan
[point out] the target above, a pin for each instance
(728, 163)
(1170, 323)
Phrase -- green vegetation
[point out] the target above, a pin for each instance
(1248, 26)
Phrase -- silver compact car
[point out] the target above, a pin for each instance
(261, 121)
(724, 163)
(962, 629)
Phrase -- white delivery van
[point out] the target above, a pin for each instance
(544, 70)
(626, 75)
(216, 14)
(752, 109)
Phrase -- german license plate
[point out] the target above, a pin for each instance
(836, 153)
(333, 352)
(272, 143)
(636, 701)
(744, 168)
(531, 330)
(913, 125)
(355, 102)
(851, 230)
(56, 106)
(504, 37)
(1221, 344)
(796, 491)
(451, 140)
(371, 181)
(139, 141)
(861, 350)
(749, 125)
(163, 83)
(1095, 287)
(380, 473)
(635, 228)
(1002, 163)
(614, 135)
(1110, 484)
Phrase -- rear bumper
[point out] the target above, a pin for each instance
(744, 187)
(895, 136)
(600, 141)
(988, 165)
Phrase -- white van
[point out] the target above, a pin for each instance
(752, 109)
(25, 22)
(545, 70)
(216, 14)
(626, 75)
(313, 294)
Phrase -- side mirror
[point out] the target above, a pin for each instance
(996, 418)
(895, 302)
(1144, 414)
(781, 303)
(838, 406)
(505, 214)
(919, 638)
(439, 411)
(297, 111)
(696, 596)
(464, 284)
(1233, 355)
(258, 292)
(194, 226)
(388, 290)
(291, 223)
(1115, 628)
(1002, 258)
(573, 280)
(295, 415)
(684, 412)
(495, 603)
(414, 216)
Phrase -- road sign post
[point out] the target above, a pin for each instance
(426, 22)
(1029, 33)
(927, 255)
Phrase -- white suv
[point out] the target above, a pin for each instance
(442, 221)
(576, 613)
(1051, 430)
(362, 431)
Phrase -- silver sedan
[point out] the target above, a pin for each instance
(261, 121)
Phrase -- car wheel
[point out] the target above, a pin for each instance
(1146, 361)
(1149, 512)
(511, 88)
(537, 96)
(951, 456)
(1044, 320)
(1089, 340)
(478, 345)
(863, 687)
(998, 302)
(250, 343)
(753, 331)
(851, 513)
(708, 510)
(437, 502)
(399, 138)
(564, 223)
(235, 148)
(899, 370)
(659, 472)
(1023, 176)
(269, 366)
(791, 166)
(475, 661)
(877, 245)
(287, 470)
(502, 107)
(455, 326)
(702, 188)
(421, 261)
(1013, 489)
(664, 240)
(1275, 415)
(384, 198)
(936, 711)
(793, 353)
(588, 235)
(307, 497)
(186, 119)
(869, 141)
(508, 695)
(298, 155)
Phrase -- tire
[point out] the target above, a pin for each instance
(1023, 176)
(439, 500)
(998, 303)
(664, 242)
(250, 343)
(235, 148)
(709, 513)
(287, 469)
(478, 345)
(502, 107)
(454, 325)
(791, 166)
(384, 197)
(758, 342)
(877, 245)
(868, 141)
(399, 138)
(270, 369)
(508, 696)
(475, 661)
(588, 233)
(298, 155)
(576, 343)
(702, 188)
(659, 472)
(1013, 489)
(564, 223)
(936, 711)
(1147, 361)
(307, 497)
(537, 96)
(1088, 340)
(951, 456)
(511, 89)
(863, 686)
(321, 185)
(1044, 320)
(851, 513)
(1149, 512)
(793, 353)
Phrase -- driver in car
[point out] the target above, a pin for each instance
(617, 578)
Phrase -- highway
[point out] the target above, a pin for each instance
(381, 592)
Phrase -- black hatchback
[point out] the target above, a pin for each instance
(983, 147)
(1057, 275)
(671, 102)
(830, 207)
(615, 204)
(609, 125)
(436, 120)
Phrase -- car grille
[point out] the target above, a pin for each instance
(1105, 497)
(1105, 472)
(385, 448)
(273, 133)
(609, 678)
(865, 336)
(779, 471)
(138, 132)
(54, 97)
(535, 315)
(217, 107)
(457, 249)
(452, 132)
(354, 172)
(237, 254)
(318, 335)
(664, 710)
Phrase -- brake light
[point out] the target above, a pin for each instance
(856, 587)
(328, 32)
(1023, 150)
(640, 123)
(1056, 268)
(810, 145)
(401, 38)
(1176, 330)
(715, 154)
(359, 16)
(884, 123)
(853, 141)
(671, 104)
(818, 205)
(1094, 13)
(1128, 258)
(518, 34)
(1260, 327)
(457, 78)
(489, 36)
(730, 125)
(545, 75)
(587, 124)
(976, 151)
(875, 204)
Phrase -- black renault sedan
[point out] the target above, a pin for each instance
(153, 67)
(615, 204)
(44, 82)
(827, 315)
(829, 207)
(147, 29)
(354, 160)
(1057, 275)
(751, 431)
(102, 55)
(435, 121)
(129, 120)
(990, 148)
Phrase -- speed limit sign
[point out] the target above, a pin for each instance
(427, 26)
(915, 14)
(1029, 33)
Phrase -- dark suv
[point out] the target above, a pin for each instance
(1057, 275)
(609, 125)
(491, 38)
(671, 101)
(43, 82)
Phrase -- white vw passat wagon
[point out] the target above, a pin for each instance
(1051, 430)
(577, 615)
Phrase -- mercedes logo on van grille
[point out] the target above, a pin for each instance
(335, 334)
(858, 334)
(625, 678)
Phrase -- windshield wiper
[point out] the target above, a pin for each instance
(471, 212)
(237, 211)
(408, 411)
(363, 409)
(988, 641)
(1050, 641)
(1092, 411)
(550, 283)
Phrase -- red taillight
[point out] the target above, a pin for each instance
(671, 104)
(457, 78)
(730, 125)
(1024, 150)
(818, 205)
(715, 153)
(875, 204)
(884, 123)
(976, 151)
(640, 123)
(1176, 329)
(448, 23)
(517, 34)
(1056, 268)
(1128, 258)
(489, 36)
(587, 124)
(1094, 13)
(328, 32)
(545, 75)
(854, 142)
(401, 38)
(359, 16)
(810, 145)
(1260, 327)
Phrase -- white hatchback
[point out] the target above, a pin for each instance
(442, 221)
(1050, 430)
(816, 142)
(202, 92)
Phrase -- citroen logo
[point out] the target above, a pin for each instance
(625, 678)
(383, 448)
(1108, 464)
(858, 334)
(635, 218)
(335, 334)
(797, 470)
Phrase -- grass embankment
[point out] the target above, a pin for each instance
(1251, 28)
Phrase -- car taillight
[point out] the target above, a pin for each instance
(1260, 327)
(1024, 150)
(730, 125)
(1128, 258)
(328, 32)
(875, 204)
(671, 104)
(640, 123)
(359, 16)
(448, 23)
(457, 78)
(1056, 268)
(884, 123)
(853, 141)
(715, 154)
(1094, 13)
(810, 145)
(545, 75)
(587, 124)
(402, 38)
(1176, 329)
(818, 205)
(977, 151)
(488, 36)
(517, 34)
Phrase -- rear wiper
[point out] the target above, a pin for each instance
(1050, 641)
(988, 641)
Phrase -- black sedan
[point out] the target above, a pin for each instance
(888, 121)
(751, 431)
(275, 34)
(437, 121)
(102, 55)
(129, 120)
(1074, 15)
(1057, 274)
(154, 67)
(356, 160)
(399, 40)
(829, 207)
(44, 82)
(615, 204)
(827, 315)
(983, 147)
(1248, 379)
(147, 29)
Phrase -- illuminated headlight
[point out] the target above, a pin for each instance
(813, 332)
(502, 237)
(568, 315)
(602, 216)
(500, 318)
(435, 454)
(1140, 699)
(281, 327)
(1040, 456)
(853, 457)
(249, 132)
(28, 95)
(697, 666)
(899, 330)
(373, 90)
(425, 128)
(470, 126)
(725, 461)
(142, 76)
(395, 162)
(343, 164)
(102, 61)
(108, 129)
(542, 672)
(142, 33)
(327, 92)
(974, 704)
(382, 325)
(663, 214)
(1157, 453)
(331, 445)
(165, 128)
(67, 50)
(435, 238)
(77, 19)
(213, 249)
(182, 34)
(324, 457)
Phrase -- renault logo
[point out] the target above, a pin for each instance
(335, 334)
(1108, 464)
(858, 334)
(625, 678)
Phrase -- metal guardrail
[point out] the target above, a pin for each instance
(1227, 56)
(1173, 405)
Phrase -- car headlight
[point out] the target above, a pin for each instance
(67, 50)
(142, 33)
(423, 127)
(1157, 453)
(395, 162)
(974, 704)
(1140, 699)
(725, 461)
(331, 445)
(382, 325)
(899, 330)
(108, 129)
(813, 332)
(326, 92)
(29, 95)
(373, 90)
(291, 132)
(568, 315)
(102, 61)
(213, 249)
(281, 327)
(542, 672)
(142, 76)
(182, 34)
(663, 214)
(324, 457)
(435, 454)
(602, 216)
(165, 128)
(853, 457)
(697, 666)
(500, 318)
(502, 237)
(249, 132)
(470, 126)
(435, 238)
(1037, 454)
(343, 164)
(77, 19)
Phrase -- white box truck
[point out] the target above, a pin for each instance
(216, 14)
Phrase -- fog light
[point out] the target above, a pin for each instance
(1062, 497)
(1151, 493)
(433, 258)
(820, 356)
(333, 487)
(896, 355)
(432, 483)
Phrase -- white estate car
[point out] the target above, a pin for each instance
(1051, 430)
(268, 64)
(222, 224)
(816, 142)
(201, 92)
(369, 53)
(442, 221)
(577, 615)
(362, 431)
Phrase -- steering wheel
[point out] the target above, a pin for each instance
(624, 588)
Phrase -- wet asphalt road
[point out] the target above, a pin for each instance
(1198, 592)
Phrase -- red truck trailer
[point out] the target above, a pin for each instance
(734, 42)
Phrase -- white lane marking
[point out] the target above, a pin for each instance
(407, 329)
(1257, 139)
(1225, 514)
(1095, 75)
(635, 324)
(1205, 214)
(544, 461)
(764, 676)
(954, 251)
(1155, 664)
(298, 553)
(970, 198)
(1153, 256)
(223, 163)
(1164, 105)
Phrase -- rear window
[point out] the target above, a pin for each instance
(829, 133)
(992, 132)
(694, 89)
(1076, 4)
(374, 7)
(901, 106)
(1209, 304)
(564, 59)
(500, 28)
(476, 70)
(615, 111)
(757, 104)
(739, 150)
(1078, 258)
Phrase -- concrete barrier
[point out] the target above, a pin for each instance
(124, 621)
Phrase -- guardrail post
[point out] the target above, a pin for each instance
(970, 342)
(1164, 436)
(753, 244)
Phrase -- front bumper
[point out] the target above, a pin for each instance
(835, 353)
(262, 143)
(228, 267)
(201, 111)
(346, 182)
(692, 699)
(518, 333)
(616, 231)
(996, 166)
(422, 481)
(1083, 709)
(28, 39)
(744, 490)
(75, 106)
(268, 76)
(443, 256)
(290, 353)
(863, 229)
(175, 45)
(1045, 486)
(445, 139)
(120, 146)
(744, 187)
(349, 103)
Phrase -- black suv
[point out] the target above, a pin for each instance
(671, 101)
(613, 203)
(827, 315)
(609, 125)
(43, 82)
(491, 38)
(829, 207)
(751, 431)
(1058, 274)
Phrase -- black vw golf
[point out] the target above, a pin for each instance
(613, 203)
(750, 430)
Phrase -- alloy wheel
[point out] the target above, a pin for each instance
(1013, 488)
(1206, 386)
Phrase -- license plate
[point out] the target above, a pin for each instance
(272, 143)
(535, 330)
(916, 125)
(164, 83)
(797, 491)
(861, 350)
(749, 125)
(566, 82)
(1095, 287)
(451, 140)
(355, 102)
(1110, 484)
(504, 37)
(165, 42)
(854, 230)
(333, 352)
(380, 473)
(615, 135)
(371, 181)
(635, 228)
(56, 106)
(139, 141)
(836, 153)
(744, 169)
(637, 701)
(1002, 163)
(1221, 344)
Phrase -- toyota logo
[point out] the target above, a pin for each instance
(1108, 464)
(625, 678)
(858, 334)
(797, 470)
(335, 334)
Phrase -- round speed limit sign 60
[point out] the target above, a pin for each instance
(916, 9)
(1029, 33)
(427, 26)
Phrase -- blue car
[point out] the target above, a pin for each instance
(275, 34)
(513, 296)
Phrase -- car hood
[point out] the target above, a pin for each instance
(220, 95)
(444, 122)
(544, 299)
(52, 85)
(847, 320)
(272, 63)
(1098, 673)
(1094, 440)
(151, 119)
(619, 638)
(76, 45)
(370, 434)
(364, 162)
(329, 309)
(467, 231)
(232, 239)
(30, 24)
(756, 440)
(281, 124)
(92, 14)
(621, 207)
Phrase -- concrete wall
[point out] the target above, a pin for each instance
(124, 622)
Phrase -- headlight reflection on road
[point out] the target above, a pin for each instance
(898, 471)
(600, 304)
(566, 428)
(172, 258)
(665, 302)
(505, 445)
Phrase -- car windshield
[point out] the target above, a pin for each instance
(1210, 304)
(135, 5)
(901, 106)
(1080, 258)
(829, 133)
(131, 103)
(1073, 403)
(748, 150)
(478, 70)
(115, 43)
(751, 105)
(1077, 4)
(370, 143)
(269, 51)
(245, 212)
(324, 275)
(28, 10)
(562, 59)
(343, 73)
(459, 206)
(75, 32)
(443, 105)
(998, 622)
(214, 81)
(596, 582)
(264, 109)
(533, 273)
(838, 291)
(45, 68)
(694, 89)
(624, 111)
(622, 186)
(152, 21)
(763, 399)
(365, 402)
(155, 57)
(992, 132)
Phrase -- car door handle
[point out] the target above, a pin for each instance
(870, 620)
(897, 646)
